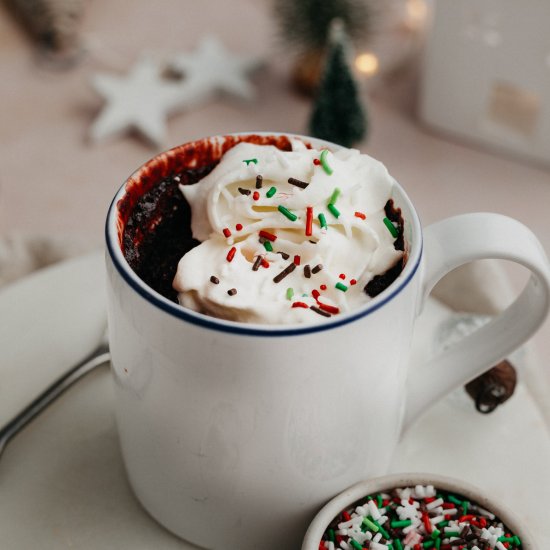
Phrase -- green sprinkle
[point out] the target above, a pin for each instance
(428, 544)
(401, 523)
(248, 161)
(385, 534)
(341, 286)
(286, 212)
(268, 246)
(451, 498)
(442, 524)
(398, 545)
(435, 533)
(331, 535)
(334, 211)
(465, 506)
(333, 199)
(355, 544)
(322, 221)
(371, 525)
(271, 192)
(324, 163)
(449, 534)
(394, 234)
(437, 543)
(506, 539)
(289, 293)
(517, 540)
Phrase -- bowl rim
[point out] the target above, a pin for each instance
(350, 495)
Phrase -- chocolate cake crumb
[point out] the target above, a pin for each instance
(380, 282)
(158, 232)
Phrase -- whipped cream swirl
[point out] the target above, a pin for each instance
(274, 252)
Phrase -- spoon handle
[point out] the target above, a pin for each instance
(97, 358)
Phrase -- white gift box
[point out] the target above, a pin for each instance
(486, 74)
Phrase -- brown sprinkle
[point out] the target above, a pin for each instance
(244, 191)
(307, 271)
(232, 291)
(317, 268)
(320, 311)
(257, 263)
(286, 271)
(298, 183)
(284, 255)
(259, 181)
(214, 280)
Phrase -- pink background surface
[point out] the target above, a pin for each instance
(52, 181)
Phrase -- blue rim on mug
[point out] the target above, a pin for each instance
(252, 329)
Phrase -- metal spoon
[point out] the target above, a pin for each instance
(96, 358)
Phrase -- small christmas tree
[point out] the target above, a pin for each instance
(338, 115)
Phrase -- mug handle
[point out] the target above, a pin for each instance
(456, 241)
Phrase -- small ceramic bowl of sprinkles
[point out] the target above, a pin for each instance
(413, 512)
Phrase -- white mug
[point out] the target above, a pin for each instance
(234, 434)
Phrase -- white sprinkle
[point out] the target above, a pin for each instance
(376, 546)
(373, 509)
(350, 523)
(434, 504)
(484, 512)
(344, 545)
(377, 537)
(437, 519)
(330, 545)
(500, 546)
(360, 510)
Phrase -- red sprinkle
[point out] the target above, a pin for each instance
(226, 232)
(265, 263)
(300, 304)
(315, 293)
(231, 254)
(329, 309)
(309, 221)
(255, 195)
(360, 215)
(297, 259)
(238, 227)
(427, 523)
(268, 236)
(342, 276)
(353, 282)
(346, 516)
(468, 517)
(323, 287)
(316, 162)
